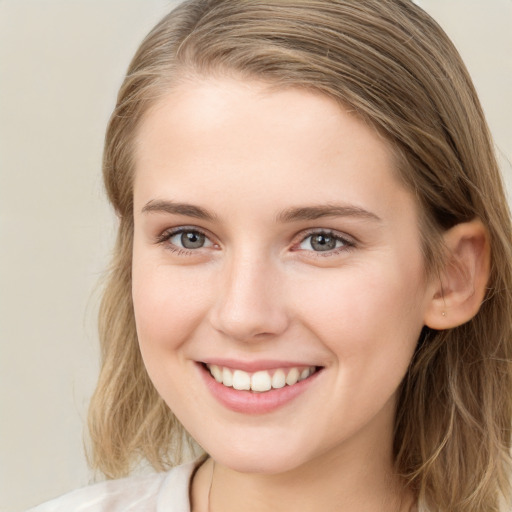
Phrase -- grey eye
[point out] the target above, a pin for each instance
(321, 242)
(189, 240)
(192, 240)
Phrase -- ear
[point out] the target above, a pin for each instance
(460, 289)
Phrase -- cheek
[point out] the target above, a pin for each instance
(168, 307)
(369, 315)
(370, 321)
(168, 304)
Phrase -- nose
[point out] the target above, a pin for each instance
(249, 305)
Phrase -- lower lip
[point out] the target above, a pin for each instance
(250, 402)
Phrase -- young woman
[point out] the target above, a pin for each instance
(313, 271)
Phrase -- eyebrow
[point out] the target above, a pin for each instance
(293, 214)
(172, 207)
(328, 210)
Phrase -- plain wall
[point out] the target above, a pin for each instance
(61, 62)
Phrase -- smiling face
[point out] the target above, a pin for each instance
(274, 248)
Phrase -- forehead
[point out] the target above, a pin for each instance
(262, 142)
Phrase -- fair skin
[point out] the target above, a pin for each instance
(272, 234)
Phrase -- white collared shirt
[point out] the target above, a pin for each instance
(158, 492)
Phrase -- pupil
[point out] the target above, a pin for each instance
(192, 240)
(323, 243)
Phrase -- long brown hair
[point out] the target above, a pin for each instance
(394, 65)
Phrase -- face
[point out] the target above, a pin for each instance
(278, 281)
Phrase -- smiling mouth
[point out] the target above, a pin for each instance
(260, 381)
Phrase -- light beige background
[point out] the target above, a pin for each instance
(61, 62)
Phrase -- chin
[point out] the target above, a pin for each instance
(261, 458)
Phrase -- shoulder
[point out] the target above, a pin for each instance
(134, 493)
(148, 493)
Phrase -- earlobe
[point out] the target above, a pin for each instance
(460, 289)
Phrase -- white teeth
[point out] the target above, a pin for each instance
(292, 377)
(260, 381)
(241, 380)
(305, 374)
(278, 379)
(216, 372)
(227, 377)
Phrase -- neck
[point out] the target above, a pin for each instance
(333, 482)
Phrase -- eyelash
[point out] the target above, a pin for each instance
(165, 237)
(347, 243)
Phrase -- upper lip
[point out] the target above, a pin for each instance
(255, 366)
